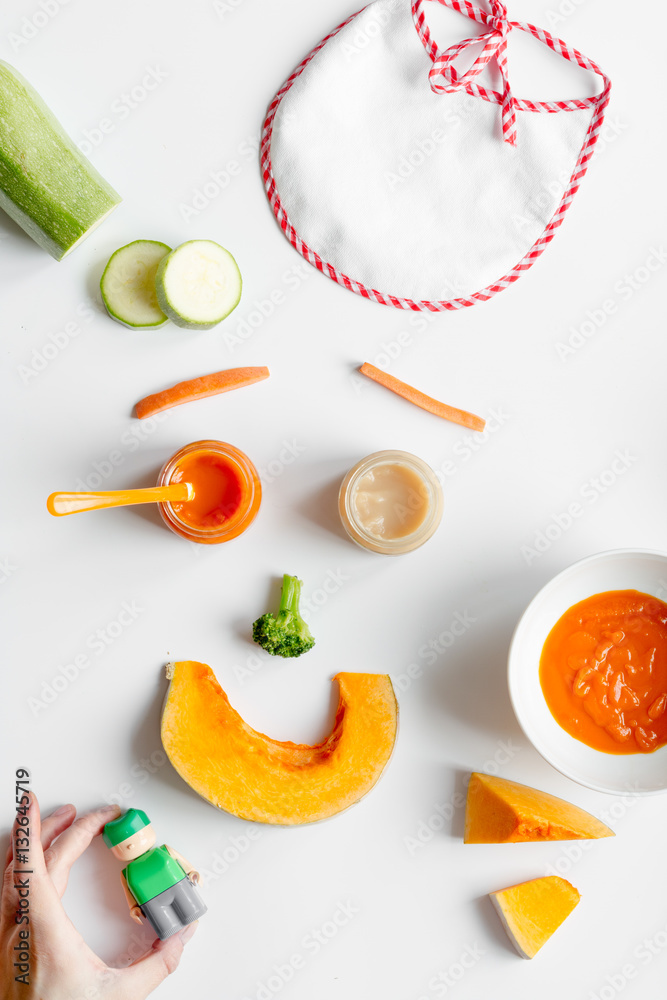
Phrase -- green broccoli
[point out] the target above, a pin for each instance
(286, 633)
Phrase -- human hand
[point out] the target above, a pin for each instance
(194, 876)
(135, 913)
(61, 965)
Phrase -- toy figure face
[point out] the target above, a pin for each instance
(136, 845)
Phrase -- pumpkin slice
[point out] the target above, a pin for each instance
(252, 776)
(532, 911)
(504, 812)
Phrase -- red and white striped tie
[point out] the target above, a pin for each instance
(444, 78)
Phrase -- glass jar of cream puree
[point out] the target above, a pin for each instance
(390, 502)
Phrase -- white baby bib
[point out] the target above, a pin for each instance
(411, 183)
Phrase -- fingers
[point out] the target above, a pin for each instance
(144, 975)
(22, 804)
(25, 855)
(26, 837)
(55, 823)
(52, 826)
(73, 841)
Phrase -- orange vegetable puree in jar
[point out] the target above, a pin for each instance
(603, 672)
(218, 489)
(227, 492)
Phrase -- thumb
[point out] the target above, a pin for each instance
(152, 968)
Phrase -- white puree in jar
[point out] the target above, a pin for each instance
(391, 501)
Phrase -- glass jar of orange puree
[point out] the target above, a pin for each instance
(227, 492)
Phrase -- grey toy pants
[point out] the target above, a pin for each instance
(172, 910)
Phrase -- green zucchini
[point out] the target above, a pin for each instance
(128, 284)
(198, 284)
(47, 185)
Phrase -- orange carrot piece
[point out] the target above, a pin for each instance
(421, 399)
(199, 388)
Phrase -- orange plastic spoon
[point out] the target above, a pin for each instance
(60, 504)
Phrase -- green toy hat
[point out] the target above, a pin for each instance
(123, 827)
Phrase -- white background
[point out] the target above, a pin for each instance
(562, 419)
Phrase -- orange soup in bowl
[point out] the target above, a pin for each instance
(603, 672)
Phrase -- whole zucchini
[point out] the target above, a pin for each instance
(46, 184)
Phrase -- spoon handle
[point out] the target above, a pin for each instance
(60, 504)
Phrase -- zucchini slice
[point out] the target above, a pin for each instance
(128, 284)
(198, 284)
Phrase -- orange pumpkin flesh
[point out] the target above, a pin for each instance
(499, 811)
(257, 778)
(532, 911)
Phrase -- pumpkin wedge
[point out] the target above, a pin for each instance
(504, 812)
(257, 778)
(532, 911)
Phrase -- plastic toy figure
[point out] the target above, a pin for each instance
(159, 883)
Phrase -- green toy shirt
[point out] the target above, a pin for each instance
(151, 873)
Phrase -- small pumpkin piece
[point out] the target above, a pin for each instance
(499, 811)
(532, 911)
(257, 778)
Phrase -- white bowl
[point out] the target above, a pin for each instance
(622, 569)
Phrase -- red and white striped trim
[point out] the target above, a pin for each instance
(500, 26)
(444, 78)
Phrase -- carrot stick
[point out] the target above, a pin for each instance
(421, 399)
(199, 388)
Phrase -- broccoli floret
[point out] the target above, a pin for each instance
(286, 633)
